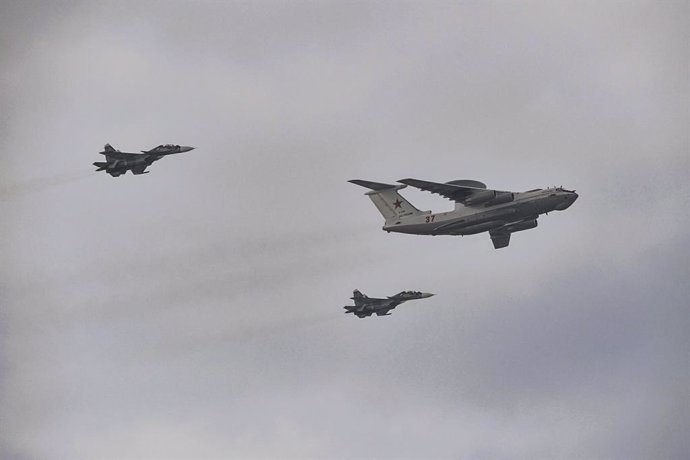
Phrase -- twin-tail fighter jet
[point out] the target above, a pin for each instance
(366, 306)
(477, 209)
(117, 163)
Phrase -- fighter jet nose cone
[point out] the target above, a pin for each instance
(427, 294)
(186, 148)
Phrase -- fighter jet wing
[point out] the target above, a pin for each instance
(499, 238)
(453, 192)
(121, 155)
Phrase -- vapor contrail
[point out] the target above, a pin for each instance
(40, 183)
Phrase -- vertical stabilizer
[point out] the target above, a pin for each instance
(358, 297)
(388, 201)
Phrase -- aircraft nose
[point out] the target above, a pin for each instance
(566, 201)
(426, 294)
(185, 148)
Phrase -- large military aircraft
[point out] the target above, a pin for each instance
(366, 306)
(117, 163)
(477, 209)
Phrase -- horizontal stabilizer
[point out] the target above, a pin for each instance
(372, 185)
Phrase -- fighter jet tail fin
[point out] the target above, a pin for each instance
(109, 149)
(388, 201)
(101, 165)
(356, 294)
(358, 297)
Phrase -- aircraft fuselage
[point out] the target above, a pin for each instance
(366, 306)
(118, 163)
(469, 220)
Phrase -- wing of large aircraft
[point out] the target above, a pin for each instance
(467, 192)
(457, 191)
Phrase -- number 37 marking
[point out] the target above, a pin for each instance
(429, 218)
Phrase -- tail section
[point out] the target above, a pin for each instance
(387, 200)
(358, 297)
(109, 149)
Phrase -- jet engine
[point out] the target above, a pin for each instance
(501, 197)
(489, 198)
(480, 197)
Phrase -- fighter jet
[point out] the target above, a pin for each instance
(366, 306)
(477, 209)
(117, 163)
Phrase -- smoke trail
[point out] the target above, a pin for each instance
(41, 183)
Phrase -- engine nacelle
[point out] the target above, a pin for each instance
(501, 197)
(480, 197)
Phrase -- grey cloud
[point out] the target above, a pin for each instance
(196, 312)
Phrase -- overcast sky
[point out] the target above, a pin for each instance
(196, 312)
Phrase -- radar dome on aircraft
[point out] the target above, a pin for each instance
(467, 183)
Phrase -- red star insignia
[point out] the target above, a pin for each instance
(397, 204)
